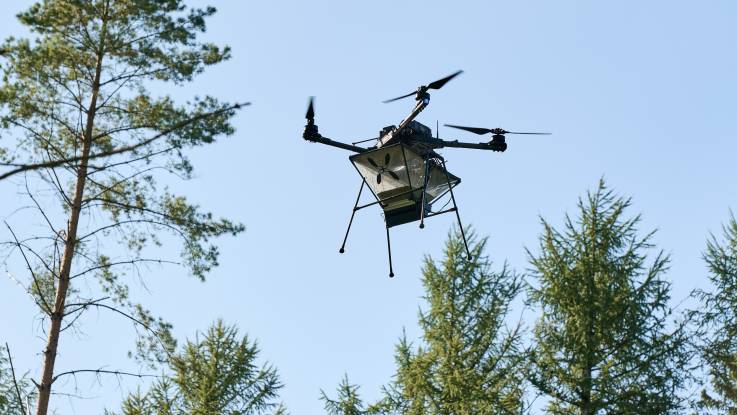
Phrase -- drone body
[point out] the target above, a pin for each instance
(403, 170)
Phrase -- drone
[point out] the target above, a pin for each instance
(403, 170)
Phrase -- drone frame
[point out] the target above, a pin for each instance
(424, 206)
(422, 98)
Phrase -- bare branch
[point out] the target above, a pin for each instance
(125, 77)
(38, 206)
(40, 137)
(126, 315)
(103, 371)
(46, 307)
(22, 244)
(81, 306)
(60, 189)
(124, 179)
(20, 168)
(15, 381)
(124, 129)
(129, 262)
(96, 169)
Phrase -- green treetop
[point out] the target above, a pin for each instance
(348, 401)
(468, 360)
(605, 342)
(216, 374)
(718, 318)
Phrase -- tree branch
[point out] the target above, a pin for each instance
(38, 206)
(19, 168)
(95, 303)
(15, 381)
(103, 371)
(46, 306)
(129, 262)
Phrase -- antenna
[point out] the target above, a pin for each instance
(437, 129)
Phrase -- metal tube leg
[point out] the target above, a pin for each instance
(350, 222)
(458, 216)
(389, 248)
(424, 191)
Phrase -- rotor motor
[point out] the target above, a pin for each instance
(498, 143)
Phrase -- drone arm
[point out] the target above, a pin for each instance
(421, 105)
(316, 137)
(460, 144)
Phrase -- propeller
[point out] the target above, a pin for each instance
(494, 131)
(432, 85)
(383, 169)
(310, 115)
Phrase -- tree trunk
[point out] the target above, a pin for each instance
(57, 314)
(586, 403)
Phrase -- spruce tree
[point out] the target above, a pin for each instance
(718, 320)
(87, 142)
(606, 341)
(469, 361)
(215, 374)
(347, 402)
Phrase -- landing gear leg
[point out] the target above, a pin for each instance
(342, 247)
(458, 216)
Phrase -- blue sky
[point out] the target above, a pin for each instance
(642, 93)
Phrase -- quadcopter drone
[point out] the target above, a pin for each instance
(403, 171)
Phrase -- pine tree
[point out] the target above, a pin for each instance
(216, 374)
(606, 342)
(718, 320)
(89, 141)
(468, 360)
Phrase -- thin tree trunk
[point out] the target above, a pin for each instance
(588, 373)
(586, 403)
(62, 289)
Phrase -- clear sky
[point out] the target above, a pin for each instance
(642, 93)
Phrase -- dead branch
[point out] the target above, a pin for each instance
(83, 306)
(96, 169)
(38, 206)
(128, 262)
(15, 380)
(47, 307)
(20, 168)
(103, 371)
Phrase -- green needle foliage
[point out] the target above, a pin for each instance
(468, 361)
(348, 401)
(605, 342)
(216, 374)
(88, 142)
(718, 320)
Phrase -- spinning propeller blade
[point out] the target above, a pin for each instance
(481, 131)
(432, 85)
(440, 82)
(398, 98)
(310, 115)
(475, 130)
(514, 132)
